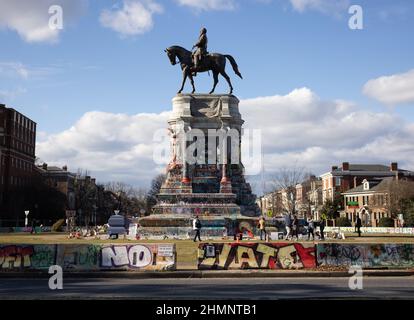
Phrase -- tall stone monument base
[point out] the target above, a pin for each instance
(216, 192)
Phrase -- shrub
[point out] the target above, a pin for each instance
(57, 226)
(386, 223)
(343, 222)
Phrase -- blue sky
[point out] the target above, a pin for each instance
(280, 46)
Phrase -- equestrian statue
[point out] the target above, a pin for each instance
(201, 61)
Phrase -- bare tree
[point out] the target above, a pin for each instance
(398, 192)
(151, 197)
(129, 199)
(284, 183)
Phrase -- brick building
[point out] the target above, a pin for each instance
(348, 176)
(369, 201)
(60, 179)
(17, 156)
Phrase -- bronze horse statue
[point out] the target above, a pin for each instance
(215, 62)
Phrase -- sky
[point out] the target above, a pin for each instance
(321, 92)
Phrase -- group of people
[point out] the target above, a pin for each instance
(292, 227)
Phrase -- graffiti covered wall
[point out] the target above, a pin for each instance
(256, 256)
(366, 255)
(88, 257)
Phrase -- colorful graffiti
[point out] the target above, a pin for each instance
(256, 256)
(26, 256)
(366, 255)
(88, 257)
(150, 257)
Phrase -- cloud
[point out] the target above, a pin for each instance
(392, 90)
(30, 19)
(324, 6)
(10, 95)
(112, 146)
(297, 128)
(14, 69)
(134, 18)
(301, 128)
(207, 5)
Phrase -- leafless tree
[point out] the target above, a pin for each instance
(284, 183)
(398, 191)
(130, 199)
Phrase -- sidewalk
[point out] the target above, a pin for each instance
(211, 274)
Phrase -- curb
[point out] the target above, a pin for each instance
(198, 274)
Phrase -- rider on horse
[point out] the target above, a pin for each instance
(201, 51)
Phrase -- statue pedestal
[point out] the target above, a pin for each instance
(203, 188)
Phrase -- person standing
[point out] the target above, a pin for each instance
(295, 227)
(262, 227)
(358, 225)
(322, 228)
(311, 227)
(197, 228)
(288, 226)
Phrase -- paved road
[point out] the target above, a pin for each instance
(261, 288)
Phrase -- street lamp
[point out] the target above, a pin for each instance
(116, 212)
(26, 220)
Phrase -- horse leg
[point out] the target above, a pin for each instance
(215, 76)
(185, 74)
(226, 76)
(191, 79)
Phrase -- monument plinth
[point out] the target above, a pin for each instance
(205, 176)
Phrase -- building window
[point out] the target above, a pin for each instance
(338, 182)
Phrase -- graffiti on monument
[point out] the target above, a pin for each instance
(79, 257)
(366, 255)
(256, 256)
(26, 256)
(137, 257)
(88, 257)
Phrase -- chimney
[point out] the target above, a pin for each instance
(44, 166)
(65, 168)
(93, 180)
(334, 168)
(394, 166)
(345, 166)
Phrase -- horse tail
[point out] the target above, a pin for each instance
(234, 65)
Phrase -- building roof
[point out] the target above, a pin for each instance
(375, 185)
(369, 170)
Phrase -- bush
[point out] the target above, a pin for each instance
(386, 223)
(57, 226)
(343, 222)
(409, 221)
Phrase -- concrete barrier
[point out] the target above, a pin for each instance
(88, 257)
(405, 231)
(224, 256)
(256, 256)
(366, 255)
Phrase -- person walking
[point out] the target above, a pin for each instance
(262, 227)
(311, 227)
(295, 227)
(358, 225)
(288, 226)
(322, 224)
(197, 228)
